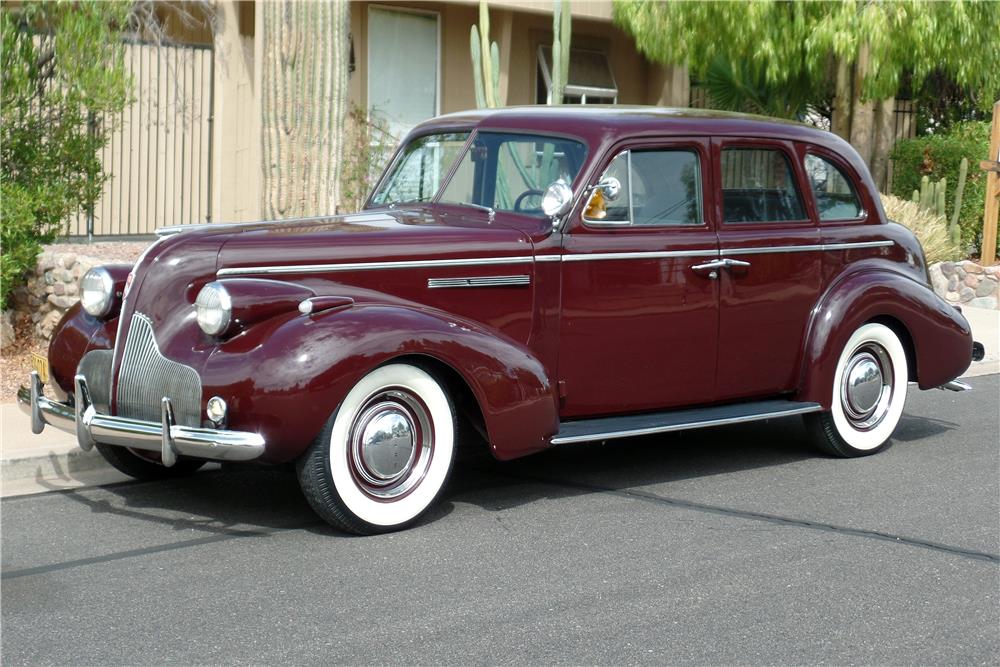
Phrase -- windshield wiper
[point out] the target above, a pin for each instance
(488, 210)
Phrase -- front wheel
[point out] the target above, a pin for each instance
(384, 455)
(869, 390)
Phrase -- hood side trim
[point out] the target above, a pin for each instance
(371, 266)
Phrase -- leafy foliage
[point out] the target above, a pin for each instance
(939, 156)
(785, 42)
(930, 228)
(62, 67)
(368, 147)
(742, 88)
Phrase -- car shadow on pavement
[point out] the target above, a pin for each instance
(246, 501)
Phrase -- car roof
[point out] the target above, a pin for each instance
(601, 123)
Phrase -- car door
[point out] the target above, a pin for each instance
(639, 327)
(771, 240)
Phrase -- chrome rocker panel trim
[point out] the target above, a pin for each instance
(165, 437)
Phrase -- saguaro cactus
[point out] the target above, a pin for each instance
(306, 53)
(485, 61)
(561, 33)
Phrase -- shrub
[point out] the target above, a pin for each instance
(931, 229)
(62, 67)
(368, 147)
(938, 156)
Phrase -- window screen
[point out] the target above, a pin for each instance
(836, 198)
(758, 185)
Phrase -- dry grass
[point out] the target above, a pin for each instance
(931, 229)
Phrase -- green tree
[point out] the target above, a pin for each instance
(63, 68)
(864, 47)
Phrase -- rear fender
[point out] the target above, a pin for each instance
(284, 377)
(939, 336)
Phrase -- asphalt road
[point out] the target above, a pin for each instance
(736, 545)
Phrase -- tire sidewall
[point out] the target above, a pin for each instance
(871, 440)
(390, 514)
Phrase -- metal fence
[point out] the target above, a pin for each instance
(159, 149)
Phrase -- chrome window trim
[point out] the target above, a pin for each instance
(664, 254)
(524, 259)
(479, 281)
(819, 247)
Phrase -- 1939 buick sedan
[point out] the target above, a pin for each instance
(531, 277)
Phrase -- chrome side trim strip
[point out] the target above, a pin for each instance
(371, 266)
(599, 256)
(479, 281)
(819, 247)
(630, 433)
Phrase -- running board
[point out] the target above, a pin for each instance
(629, 426)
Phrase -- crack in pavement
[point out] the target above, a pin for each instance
(751, 515)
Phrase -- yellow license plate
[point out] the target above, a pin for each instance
(41, 364)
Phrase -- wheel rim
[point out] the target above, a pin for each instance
(391, 444)
(866, 387)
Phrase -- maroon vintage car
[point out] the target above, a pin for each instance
(542, 276)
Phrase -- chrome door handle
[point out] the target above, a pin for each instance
(716, 264)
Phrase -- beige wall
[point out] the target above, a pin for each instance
(518, 28)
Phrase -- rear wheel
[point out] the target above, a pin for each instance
(869, 391)
(385, 454)
(140, 467)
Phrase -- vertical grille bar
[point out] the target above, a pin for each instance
(146, 376)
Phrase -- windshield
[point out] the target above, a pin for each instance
(418, 173)
(500, 170)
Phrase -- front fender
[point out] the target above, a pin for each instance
(283, 378)
(76, 334)
(940, 336)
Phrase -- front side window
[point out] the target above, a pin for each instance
(758, 185)
(836, 198)
(510, 172)
(658, 187)
(417, 174)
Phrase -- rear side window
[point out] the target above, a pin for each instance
(758, 185)
(836, 197)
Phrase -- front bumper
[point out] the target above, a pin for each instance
(164, 437)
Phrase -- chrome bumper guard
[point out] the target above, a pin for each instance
(166, 437)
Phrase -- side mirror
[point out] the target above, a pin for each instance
(611, 187)
(557, 199)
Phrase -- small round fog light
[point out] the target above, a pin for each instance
(215, 409)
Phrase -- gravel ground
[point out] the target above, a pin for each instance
(15, 361)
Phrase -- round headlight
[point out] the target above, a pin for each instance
(97, 291)
(215, 308)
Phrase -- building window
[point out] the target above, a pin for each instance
(403, 63)
(590, 78)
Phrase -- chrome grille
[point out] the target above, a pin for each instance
(146, 376)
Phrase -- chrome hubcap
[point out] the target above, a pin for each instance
(387, 443)
(866, 388)
(391, 444)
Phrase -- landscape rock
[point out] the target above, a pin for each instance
(7, 329)
(986, 288)
(984, 302)
(966, 283)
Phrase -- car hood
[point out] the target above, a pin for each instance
(378, 236)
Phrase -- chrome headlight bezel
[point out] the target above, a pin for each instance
(214, 307)
(97, 291)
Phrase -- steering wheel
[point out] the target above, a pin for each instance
(524, 195)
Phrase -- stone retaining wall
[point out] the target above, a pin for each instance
(53, 289)
(966, 283)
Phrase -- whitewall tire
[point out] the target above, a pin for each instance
(385, 454)
(869, 392)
